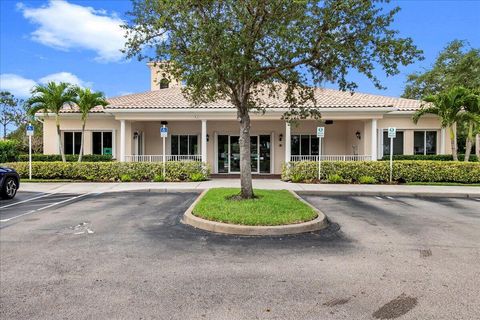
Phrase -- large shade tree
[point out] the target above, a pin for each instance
(240, 50)
(456, 65)
(86, 100)
(51, 98)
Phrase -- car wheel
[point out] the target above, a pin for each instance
(10, 188)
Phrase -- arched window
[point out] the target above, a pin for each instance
(164, 83)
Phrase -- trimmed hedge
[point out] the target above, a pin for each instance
(433, 157)
(403, 171)
(113, 171)
(8, 150)
(69, 157)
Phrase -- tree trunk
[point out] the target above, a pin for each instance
(4, 131)
(469, 142)
(246, 191)
(60, 144)
(453, 143)
(80, 154)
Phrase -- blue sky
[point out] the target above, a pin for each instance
(78, 41)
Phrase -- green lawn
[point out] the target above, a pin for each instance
(270, 208)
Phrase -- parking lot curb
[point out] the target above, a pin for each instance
(389, 193)
(320, 222)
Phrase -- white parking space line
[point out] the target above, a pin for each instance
(27, 200)
(379, 198)
(390, 198)
(478, 199)
(46, 207)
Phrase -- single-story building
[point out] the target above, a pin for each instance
(355, 129)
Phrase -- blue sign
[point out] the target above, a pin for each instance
(163, 132)
(29, 130)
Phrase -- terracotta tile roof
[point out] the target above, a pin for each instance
(74, 109)
(173, 98)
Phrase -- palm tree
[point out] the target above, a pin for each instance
(86, 100)
(447, 106)
(51, 98)
(471, 116)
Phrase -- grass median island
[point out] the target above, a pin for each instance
(270, 208)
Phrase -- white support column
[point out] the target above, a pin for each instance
(288, 142)
(443, 134)
(374, 140)
(204, 141)
(122, 140)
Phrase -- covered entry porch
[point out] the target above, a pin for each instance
(273, 142)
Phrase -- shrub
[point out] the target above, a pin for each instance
(298, 177)
(403, 171)
(159, 178)
(125, 178)
(111, 171)
(367, 180)
(69, 157)
(433, 157)
(8, 150)
(335, 178)
(197, 176)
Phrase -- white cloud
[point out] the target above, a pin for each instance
(15, 84)
(20, 86)
(65, 26)
(64, 77)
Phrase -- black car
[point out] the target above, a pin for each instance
(9, 183)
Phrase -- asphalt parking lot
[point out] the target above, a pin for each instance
(125, 255)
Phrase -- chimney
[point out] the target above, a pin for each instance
(160, 78)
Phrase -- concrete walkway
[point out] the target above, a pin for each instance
(327, 189)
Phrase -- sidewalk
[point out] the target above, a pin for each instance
(326, 189)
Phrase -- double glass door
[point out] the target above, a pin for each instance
(229, 154)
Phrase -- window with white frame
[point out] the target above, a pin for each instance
(184, 144)
(72, 141)
(102, 142)
(425, 142)
(305, 145)
(397, 143)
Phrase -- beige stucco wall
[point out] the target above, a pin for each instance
(153, 141)
(103, 123)
(404, 123)
(340, 137)
(157, 74)
(477, 145)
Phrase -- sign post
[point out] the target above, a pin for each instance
(30, 130)
(163, 134)
(392, 133)
(320, 135)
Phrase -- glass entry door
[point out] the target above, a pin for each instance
(234, 147)
(229, 154)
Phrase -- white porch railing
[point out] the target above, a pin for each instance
(328, 157)
(159, 158)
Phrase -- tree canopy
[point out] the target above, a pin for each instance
(226, 49)
(457, 65)
(241, 50)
